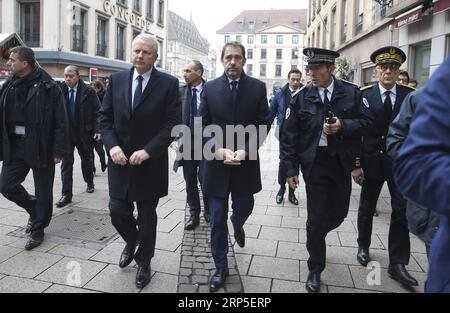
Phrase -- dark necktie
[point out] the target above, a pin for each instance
(72, 104)
(234, 91)
(138, 92)
(193, 106)
(331, 139)
(388, 104)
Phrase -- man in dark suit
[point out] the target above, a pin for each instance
(82, 104)
(234, 99)
(278, 108)
(322, 132)
(384, 101)
(190, 100)
(33, 136)
(140, 108)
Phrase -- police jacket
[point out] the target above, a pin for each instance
(304, 123)
(377, 164)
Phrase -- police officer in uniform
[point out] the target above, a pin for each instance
(322, 132)
(383, 100)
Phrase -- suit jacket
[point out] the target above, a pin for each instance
(377, 164)
(148, 127)
(303, 127)
(186, 99)
(216, 108)
(88, 105)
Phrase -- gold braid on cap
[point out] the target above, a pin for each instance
(388, 56)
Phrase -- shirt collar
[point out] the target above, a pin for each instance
(146, 75)
(198, 87)
(74, 88)
(330, 88)
(383, 90)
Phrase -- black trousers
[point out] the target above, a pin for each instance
(192, 174)
(328, 190)
(399, 244)
(38, 206)
(86, 155)
(98, 146)
(142, 230)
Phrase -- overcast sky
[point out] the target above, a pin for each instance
(211, 15)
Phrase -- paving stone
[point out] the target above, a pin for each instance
(293, 222)
(114, 279)
(110, 254)
(167, 225)
(66, 289)
(163, 212)
(347, 226)
(258, 247)
(332, 238)
(8, 252)
(233, 288)
(290, 250)
(168, 242)
(256, 284)
(264, 220)
(278, 233)
(47, 245)
(17, 219)
(65, 272)
(334, 289)
(187, 288)
(275, 268)
(12, 284)
(416, 244)
(75, 252)
(199, 280)
(5, 229)
(28, 264)
(243, 262)
(282, 211)
(175, 204)
(284, 286)
(422, 260)
(333, 275)
(166, 262)
(162, 283)
(350, 240)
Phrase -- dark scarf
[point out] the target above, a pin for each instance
(23, 84)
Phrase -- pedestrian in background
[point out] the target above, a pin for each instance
(98, 143)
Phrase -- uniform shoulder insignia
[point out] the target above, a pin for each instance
(298, 91)
(366, 87)
(350, 83)
(409, 87)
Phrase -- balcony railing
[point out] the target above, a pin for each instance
(358, 28)
(78, 44)
(101, 49)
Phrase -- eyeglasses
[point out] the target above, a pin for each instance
(385, 67)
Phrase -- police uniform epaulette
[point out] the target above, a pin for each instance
(298, 91)
(350, 83)
(409, 87)
(366, 87)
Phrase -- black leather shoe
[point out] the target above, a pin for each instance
(313, 283)
(218, 278)
(29, 226)
(90, 189)
(363, 256)
(143, 276)
(292, 199)
(280, 196)
(399, 273)
(240, 237)
(375, 213)
(192, 223)
(127, 255)
(65, 200)
(104, 167)
(33, 242)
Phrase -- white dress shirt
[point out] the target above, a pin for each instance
(145, 81)
(393, 94)
(323, 137)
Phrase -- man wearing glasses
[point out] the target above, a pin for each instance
(384, 100)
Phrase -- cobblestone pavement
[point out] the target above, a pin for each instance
(80, 240)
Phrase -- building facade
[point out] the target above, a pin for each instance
(96, 35)
(184, 44)
(424, 34)
(356, 28)
(273, 40)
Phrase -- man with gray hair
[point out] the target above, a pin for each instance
(139, 110)
(82, 104)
